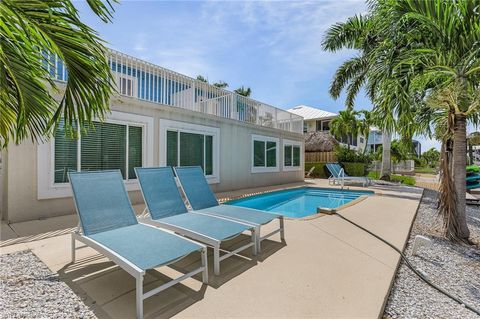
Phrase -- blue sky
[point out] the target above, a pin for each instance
(271, 46)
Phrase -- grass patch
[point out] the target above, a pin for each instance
(406, 180)
(425, 170)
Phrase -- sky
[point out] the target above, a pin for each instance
(273, 47)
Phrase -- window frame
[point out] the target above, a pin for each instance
(264, 169)
(292, 144)
(178, 126)
(46, 186)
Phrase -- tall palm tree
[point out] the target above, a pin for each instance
(364, 124)
(30, 29)
(369, 70)
(244, 91)
(443, 60)
(345, 125)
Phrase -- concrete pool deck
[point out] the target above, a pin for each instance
(326, 269)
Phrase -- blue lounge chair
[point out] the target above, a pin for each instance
(167, 210)
(339, 177)
(108, 225)
(202, 200)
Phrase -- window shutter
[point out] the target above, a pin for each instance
(104, 147)
(287, 155)
(258, 153)
(296, 156)
(135, 150)
(208, 155)
(271, 154)
(65, 154)
(191, 149)
(172, 148)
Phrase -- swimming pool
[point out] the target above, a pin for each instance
(299, 202)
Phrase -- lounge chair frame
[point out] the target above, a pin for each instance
(138, 273)
(341, 179)
(259, 239)
(209, 241)
(135, 271)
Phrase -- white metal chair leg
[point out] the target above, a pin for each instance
(73, 248)
(255, 240)
(139, 296)
(205, 265)
(216, 259)
(282, 228)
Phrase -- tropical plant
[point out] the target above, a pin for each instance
(369, 69)
(431, 157)
(244, 91)
(444, 62)
(29, 31)
(345, 125)
(363, 124)
(201, 78)
(221, 84)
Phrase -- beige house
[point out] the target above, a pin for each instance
(159, 118)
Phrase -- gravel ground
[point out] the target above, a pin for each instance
(30, 290)
(454, 267)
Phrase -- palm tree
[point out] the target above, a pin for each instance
(201, 78)
(369, 69)
(31, 29)
(345, 125)
(221, 84)
(244, 91)
(364, 124)
(444, 61)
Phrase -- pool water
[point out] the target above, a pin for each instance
(299, 202)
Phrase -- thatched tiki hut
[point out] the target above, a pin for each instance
(319, 147)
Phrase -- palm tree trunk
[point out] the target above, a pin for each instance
(460, 172)
(386, 158)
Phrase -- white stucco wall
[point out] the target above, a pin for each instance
(21, 201)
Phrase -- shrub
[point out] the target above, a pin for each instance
(344, 155)
(355, 169)
(407, 180)
(318, 172)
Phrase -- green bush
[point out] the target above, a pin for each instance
(344, 155)
(318, 172)
(406, 180)
(355, 169)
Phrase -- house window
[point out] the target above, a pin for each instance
(126, 85)
(291, 155)
(190, 149)
(264, 154)
(107, 145)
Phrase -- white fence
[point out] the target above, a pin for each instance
(407, 167)
(145, 81)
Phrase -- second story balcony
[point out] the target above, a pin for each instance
(146, 81)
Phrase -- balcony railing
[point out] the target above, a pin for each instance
(146, 81)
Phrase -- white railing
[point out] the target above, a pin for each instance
(145, 81)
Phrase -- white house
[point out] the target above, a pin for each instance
(159, 118)
(315, 119)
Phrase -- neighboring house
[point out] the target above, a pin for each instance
(375, 140)
(316, 120)
(159, 118)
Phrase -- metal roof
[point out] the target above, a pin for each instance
(311, 113)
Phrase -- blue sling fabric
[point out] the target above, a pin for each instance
(160, 191)
(102, 201)
(145, 246)
(196, 187)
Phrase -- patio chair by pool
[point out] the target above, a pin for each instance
(339, 177)
(167, 210)
(201, 198)
(108, 225)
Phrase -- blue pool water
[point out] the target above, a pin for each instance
(299, 202)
